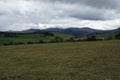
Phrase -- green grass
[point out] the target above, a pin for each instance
(35, 37)
(98, 60)
(64, 36)
(110, 35)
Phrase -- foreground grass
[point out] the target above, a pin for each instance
(61, 61)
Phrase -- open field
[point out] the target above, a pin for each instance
(110, 35)
(24, 38)
(98, 60)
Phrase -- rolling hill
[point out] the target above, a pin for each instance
(54, 35)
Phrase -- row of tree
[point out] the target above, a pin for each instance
(8, 34)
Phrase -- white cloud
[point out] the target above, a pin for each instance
(25, 14)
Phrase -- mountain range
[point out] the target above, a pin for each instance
(71, 31)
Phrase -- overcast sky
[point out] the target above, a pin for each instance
(26, 14)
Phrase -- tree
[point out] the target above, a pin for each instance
(58, 39)
(41, 41)
(30, 42)
(91, 38)
(71, 39)
(117, 36)
(10, 35)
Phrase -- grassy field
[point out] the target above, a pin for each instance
(32, 37)
(110, 35)
(98, 60)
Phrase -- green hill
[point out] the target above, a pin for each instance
(30, 37)
(110, 35)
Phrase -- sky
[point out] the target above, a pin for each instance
(41, 14)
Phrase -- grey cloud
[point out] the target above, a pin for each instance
(56, 11)
(89, 14)
(85, 16)
(94, 3)
(1, 13)
(97, 10)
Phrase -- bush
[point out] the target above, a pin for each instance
(18, 43)
(58, 39)
(48, 34)
(117, 36)
(9, 35)
(41, 41)
(30, 42)
(13, 43)
(91, 38)
(109, 38)
(70, 40)
(10, 43)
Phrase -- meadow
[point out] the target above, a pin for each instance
(97, 60)
(31, 38)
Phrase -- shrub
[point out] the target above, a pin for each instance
(30, 42)
(70, 40)
(91, 38)
(58, 39)
(117, 36)
(41, 41)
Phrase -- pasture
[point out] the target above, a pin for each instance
(97, 60)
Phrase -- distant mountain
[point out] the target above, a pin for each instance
(75, 31)
(81, 31)
(72, 31)
(115, 30)
(30, 31)
(25, 31)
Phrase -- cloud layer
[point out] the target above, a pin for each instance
(26, 14)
